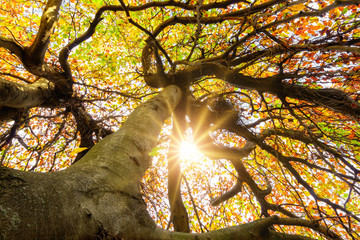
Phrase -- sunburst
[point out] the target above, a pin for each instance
(189, 152)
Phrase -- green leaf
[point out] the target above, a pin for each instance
(155, 151)
(344, 11)
(98, 2)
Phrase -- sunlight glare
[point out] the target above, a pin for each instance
(189, 151)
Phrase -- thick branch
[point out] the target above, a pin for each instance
(17, 95)
(36, 52)
(256, 230)
(12, 46)
(179, 215)
(229, 194)
(334, 99)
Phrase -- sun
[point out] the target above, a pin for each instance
(189, 151)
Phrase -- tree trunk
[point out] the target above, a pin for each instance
(97, 196)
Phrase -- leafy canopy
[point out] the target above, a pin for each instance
(272, 90)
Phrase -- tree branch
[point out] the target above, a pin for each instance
(36, 52)
(258, 229)
(12, 46)
(17, 95)
(179, 215)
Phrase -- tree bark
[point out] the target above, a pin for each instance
(179, 216)
(16, 98)
(17, 95)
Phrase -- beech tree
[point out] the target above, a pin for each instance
(198, 119)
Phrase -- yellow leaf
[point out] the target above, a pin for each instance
(77, 150)
(297, 7)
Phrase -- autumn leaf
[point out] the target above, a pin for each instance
(78, 150)
(295, 8)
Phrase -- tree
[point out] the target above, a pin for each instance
(267, 90)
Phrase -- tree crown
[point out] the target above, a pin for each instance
(270, 99)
